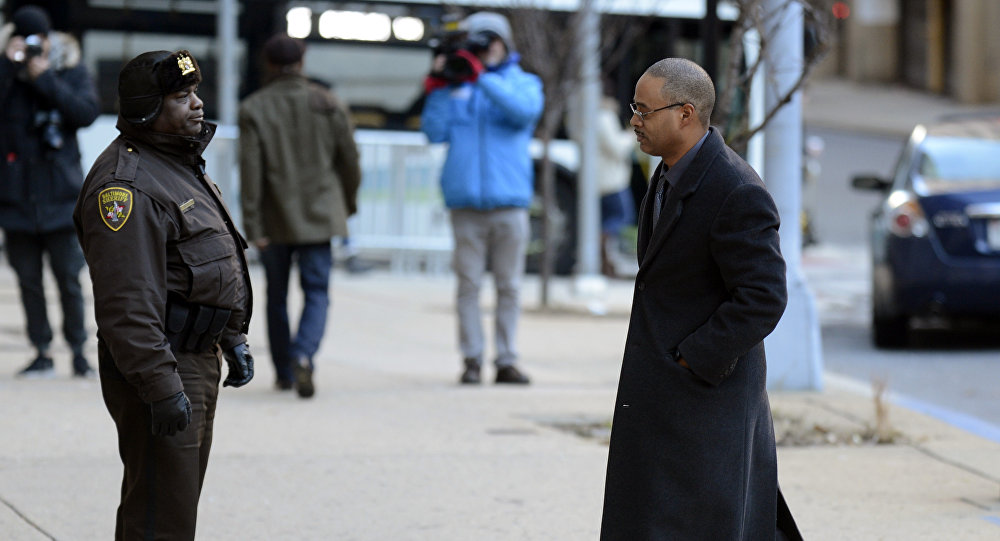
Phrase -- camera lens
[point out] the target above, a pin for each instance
(33, 45)
(479, 42)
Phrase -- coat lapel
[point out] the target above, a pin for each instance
(650, 241)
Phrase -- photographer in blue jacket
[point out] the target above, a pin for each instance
(485, 107)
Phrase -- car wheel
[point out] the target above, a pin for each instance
(889, 329)
(890, 332)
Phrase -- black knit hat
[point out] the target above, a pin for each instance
(30, 20)
(144, 81)
(282, 50)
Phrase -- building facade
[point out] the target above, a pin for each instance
(947, 47)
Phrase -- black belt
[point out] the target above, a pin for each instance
(194, 327)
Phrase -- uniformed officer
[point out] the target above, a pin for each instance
(171, 292)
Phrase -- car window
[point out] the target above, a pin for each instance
(958, 164)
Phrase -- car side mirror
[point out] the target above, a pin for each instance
(870, 182)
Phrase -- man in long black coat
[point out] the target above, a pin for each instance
(692, 451)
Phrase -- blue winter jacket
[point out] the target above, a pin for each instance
(488, 125)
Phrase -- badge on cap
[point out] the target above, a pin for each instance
(185, 63)
(116, 205)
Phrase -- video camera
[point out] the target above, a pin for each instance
(33, 48)
(456, 67)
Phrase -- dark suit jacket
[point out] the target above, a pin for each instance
(692, 451)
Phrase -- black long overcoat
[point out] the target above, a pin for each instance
(692, 452)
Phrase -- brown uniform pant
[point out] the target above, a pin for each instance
(163, 474)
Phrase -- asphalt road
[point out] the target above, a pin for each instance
(839, 212)
(952, 373)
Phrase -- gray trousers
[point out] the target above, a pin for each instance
(493, 240)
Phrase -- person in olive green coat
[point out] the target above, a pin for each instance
(300, 176)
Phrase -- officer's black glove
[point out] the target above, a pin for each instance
(171, 415)
(240, 366)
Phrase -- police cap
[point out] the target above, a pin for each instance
(144, 81)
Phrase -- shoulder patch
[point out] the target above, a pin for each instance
(116, 206)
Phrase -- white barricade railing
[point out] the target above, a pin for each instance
(401, 214)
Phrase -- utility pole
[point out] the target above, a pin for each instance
(226, 22)
(224, 172)
(794, 354)
(710, 39)
(589, 281)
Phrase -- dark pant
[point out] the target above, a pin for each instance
(25, 252)
(163, 474)
(314, 262)
(616, 211)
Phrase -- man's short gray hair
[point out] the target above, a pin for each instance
(685, 81)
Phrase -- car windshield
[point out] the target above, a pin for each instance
(947, 164)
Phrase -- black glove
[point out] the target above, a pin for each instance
(240, 366)
(171, 415)
(466, 66)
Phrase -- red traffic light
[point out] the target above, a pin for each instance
(841, 10)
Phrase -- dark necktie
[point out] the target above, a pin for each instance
(662, 189)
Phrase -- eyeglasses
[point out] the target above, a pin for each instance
(642, 115)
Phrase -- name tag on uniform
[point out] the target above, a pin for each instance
(187, 205)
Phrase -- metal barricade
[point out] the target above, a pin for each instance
(401, 214)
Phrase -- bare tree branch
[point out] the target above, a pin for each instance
(732, 110)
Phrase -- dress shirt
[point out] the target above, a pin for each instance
(670, 175)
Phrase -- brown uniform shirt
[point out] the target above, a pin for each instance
(151, 224)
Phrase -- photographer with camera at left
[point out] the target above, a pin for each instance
(46, 94)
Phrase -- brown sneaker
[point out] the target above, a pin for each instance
(510, 374)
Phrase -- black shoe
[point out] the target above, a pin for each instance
(40, 367)
(471, 375)
(81, 368)
(282, 384)
(304, 378)
(510, 374)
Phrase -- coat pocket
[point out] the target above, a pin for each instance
(207, 260)
(11, 181)
(685, 374)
